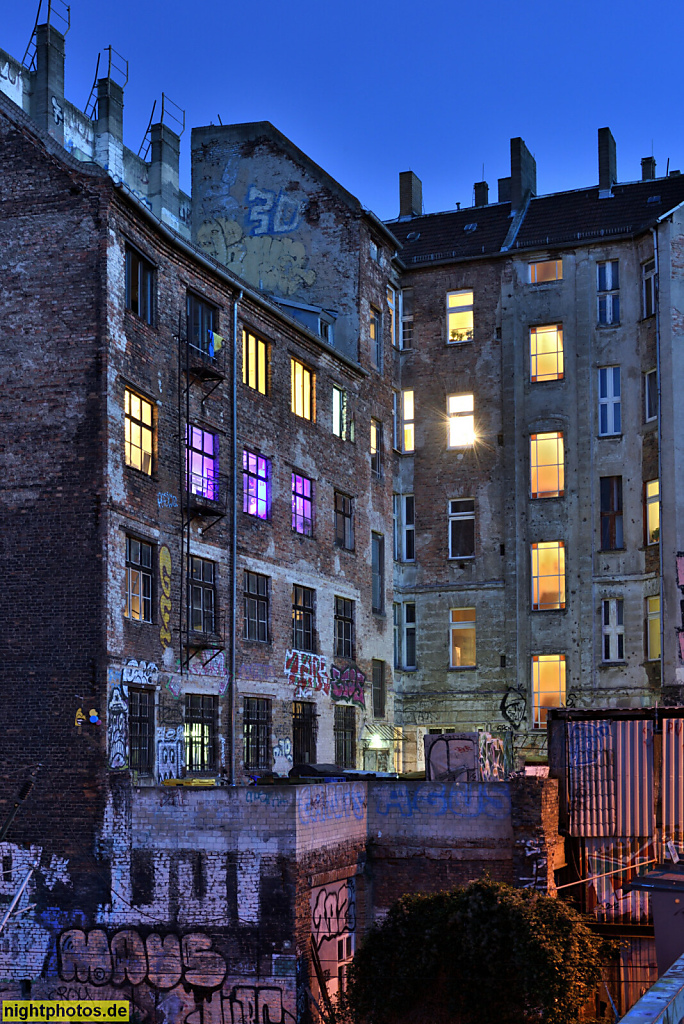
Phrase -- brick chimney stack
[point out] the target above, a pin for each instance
(410, 195)
(607, 160)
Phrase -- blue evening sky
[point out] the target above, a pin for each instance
(371, 87)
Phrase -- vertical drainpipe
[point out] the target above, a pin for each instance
(654, 232)
(233, 540)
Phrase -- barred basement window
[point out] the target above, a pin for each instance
(344, 730)
(256, 728)
(256, 607)
(141, 730)
(201, 729)
(303, 733)
(138, 603)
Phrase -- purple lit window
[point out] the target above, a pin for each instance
(203, 463)
(255, 485)
(301, 505)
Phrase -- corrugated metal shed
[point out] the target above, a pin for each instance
(591, 779)
(673, 780)
(634, 778)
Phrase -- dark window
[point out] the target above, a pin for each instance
(256, 607)
(139, 286)
(257, 732)
(376, 337)
(201, 317)
(344, 628)
(138, 580)
(141, 729)
(410, 635)
(648, 278)
(302, 506)
(378, 689)
(302, 618)
(611, 513)
(344, 522)
(202, 596)
(378, 567)
(608, 288)
(303, 733)
(345, 736)
(462, 528)
(7, 867)
(407, 318)
(376, 448)
(256, 486)
(202, 463)
(651, 395)
(201, 727)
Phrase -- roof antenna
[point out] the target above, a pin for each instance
(220, 121)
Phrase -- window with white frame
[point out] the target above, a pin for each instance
(546, 353)
(653, 628)
(462, 637)
(405, 634)
(548, 575)
(546, 270)
(459, 317)
(608, 292)
(460, 420)
(610, 407)
(376, 452)
(406, 300)
(548, 686)
(547, 465)
(462, 528)
(407, 435)
(339, 412)
(648, 288)
(375, 328)
(652, 511)
(406, 527)
(651, 395)
(613, 629)
(392, 316)
(396, 526)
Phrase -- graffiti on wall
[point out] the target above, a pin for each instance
(139, 673)
(333, 910)
(282, 756)
(492, 757)
(589, 743)
(271, 213)
(165, 596)
(535, 864)
(458, 799)
(317, 804)
(346, 686)
(276, 263)
(307, 673)
(117, 727)
(170, 751)
(514, 706)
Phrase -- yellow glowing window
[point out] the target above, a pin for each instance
(138, 432)
(301, 390)
(546, 353)
(546, 270)
(548, 685)
(408, 421)
(653, 624)
(459, 317)
(547, 465)
(462, 629)
(254, 362)
(461, 421)
(652, 511)
(548, 575)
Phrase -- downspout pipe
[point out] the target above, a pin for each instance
(233, 540)
(654, 232)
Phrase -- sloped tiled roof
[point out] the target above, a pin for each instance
(558, 219)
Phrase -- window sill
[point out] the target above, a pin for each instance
(461, 668)
(256, 643)
(461, 558)
(611, 551)
(401, 668)
(609, 437)
(547, 497)
(455, 344)
(611, 664)
(604, 327)
(549, 610)
(256, 519)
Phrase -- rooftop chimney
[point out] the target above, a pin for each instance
(648, 166)
(607, 160)
(523, 174)
(48, 86)
(504, 190)
(163, 189)
(109, 127)
(481, 193)
(410, 195)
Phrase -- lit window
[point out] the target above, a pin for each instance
(613, 629)
(462, 628)
(610, 401)
(546, 270)
(391, 316)
(339, 412)
(547, 465)
(344, 521)
(302, 508)
(648, 282)
(608, 292)
(406, 297)
(256, 732)
(653, 627)
(378, 572)
(254, 362)
(202, 596)
(652, 494)
(462, 528)
(375, 328)
(303, 619)
(302, 390)
(376, 448)
(200, 327)
(201, 729)
(548, 685)
(407, 438)
(548, 575)
(344, 628)
(138, 580)
(611, 513)
(138, 432)
(139, 285)
(202, 463)
(256, 607)
(405, 635)
(651, 395)
(459, 317)
(461, 421)
(255, 485)
(546, 353)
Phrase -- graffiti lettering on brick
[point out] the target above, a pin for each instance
(333, 910)
(117, 727)
(282, 756)
(251, 1005)
(514, 707)
(347, 686)
(271, 213)
(166, 500)
(170, 751)
(165, 596)
(307, 673)
(139, 673)
(316, 804)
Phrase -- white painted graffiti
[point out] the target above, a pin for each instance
(117, 727)
(271, 213)
(282, 756)
(140, 673)
(170, 752)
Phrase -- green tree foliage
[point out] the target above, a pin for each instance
(487, 952)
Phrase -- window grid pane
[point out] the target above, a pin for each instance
(344, 523)
(548, 686)
(301, 385)
(462, 528)
(256, 727)
(345, 736)
(546, 353)
(463, 637)
(255, 485)
(302, 618)
(138, 432)
(141, 729)
(547, 465)
(548, 576)
(459, 317)
(254, 362)
(344, 628)
(302, 507)
(138, 597)
(201, 714)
